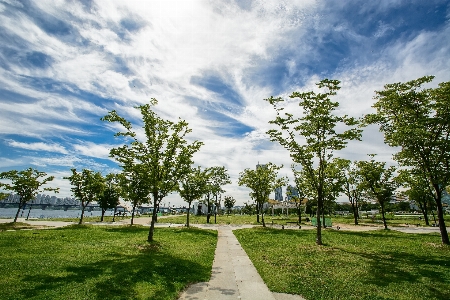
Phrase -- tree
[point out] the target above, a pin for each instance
(27, 184)
(417, 122)
(419, 190)
(311, 138)
(192, 187)
(262, 182)
(110, 197)
(217, 177)
(351, 185)
(378, 181)
(301, 190)
(134, 185)
(88, 186)
(229, 202)
(165, 155)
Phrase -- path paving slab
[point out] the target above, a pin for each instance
(233, 275)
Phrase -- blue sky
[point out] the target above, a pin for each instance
(65, 64)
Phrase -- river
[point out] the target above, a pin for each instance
(51, 213)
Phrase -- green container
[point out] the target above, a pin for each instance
(328, 222)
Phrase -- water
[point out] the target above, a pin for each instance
(51, 213)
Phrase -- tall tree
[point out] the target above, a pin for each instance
(217, 177)
(302, 189)
(165, 154)
(416, 121)
(192, 187)
(229, 202)
(27, 184)
(379, 182)
(418, 190)
(110, 197)
(262, 182)
(311, 138)
(351, 185)
(88, 186)
(134, 185)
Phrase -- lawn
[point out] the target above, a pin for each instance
(380, 264)
(93, 262)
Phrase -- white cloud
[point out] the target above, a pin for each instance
(40, 146)
(175, 41)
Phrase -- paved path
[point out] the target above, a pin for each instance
(233, 275)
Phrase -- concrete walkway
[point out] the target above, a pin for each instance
(233, 275)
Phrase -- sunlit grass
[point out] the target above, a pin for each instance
(16, 226)
(351, 265)
(90, 262)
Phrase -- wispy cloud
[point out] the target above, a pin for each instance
(63, 65)
(40, 146)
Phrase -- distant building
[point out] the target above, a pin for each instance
(279, 194)
(291, 192)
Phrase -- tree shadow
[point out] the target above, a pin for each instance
(120, 275)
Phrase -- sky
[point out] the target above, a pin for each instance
(65, 64)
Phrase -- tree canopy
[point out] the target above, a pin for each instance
(165, 155)
(312, 137)
(378, 181)
(262, 181)
(88, 187)
(416, 120)
(192, 187)
(27, 184)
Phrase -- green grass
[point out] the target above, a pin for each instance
(391, 220)
(85, 219)
(380, 264)
(16, 226)
(231, 219)
(91, 262)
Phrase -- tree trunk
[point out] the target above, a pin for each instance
(154, 220)
(442, 228)
(132, 215)
(257, 212)
(299, 213)
(114, 215)
(187, 217)
(18, 210)
(382, 214)
(355, 211)
(17, 213)
(103, 214)
(319, 226)
(82, 213)
(262, 218)
(424, 210)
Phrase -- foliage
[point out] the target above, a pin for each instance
(103, 262)
(378, 182)
(262, 182)
(351, 265)
(88, 186)
(110, 197)
(419, 190)
(229, 202)
(159, 162)
(192, 187)
(27, 184)
(351, 184)
(134, 185)
(312, 138)
(417, 122)
(217, 177)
